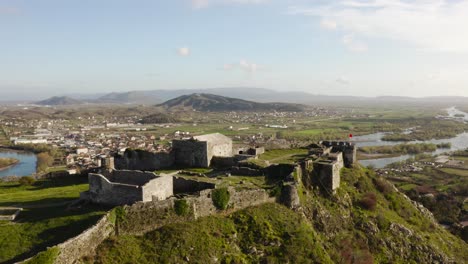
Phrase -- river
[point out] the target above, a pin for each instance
(460, 142)
(25, 167)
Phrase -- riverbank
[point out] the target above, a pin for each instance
(25, 165)
(6, 163)
(366, 156)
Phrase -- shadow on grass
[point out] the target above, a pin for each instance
(33, 215)
(57, 235)
(39, 204)
(59, 182)
(47, 183)
(299, 156)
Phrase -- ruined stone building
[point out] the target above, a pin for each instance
(127, 187)
(200, 150)
(119, 187)
(328, 158)
(195, 152)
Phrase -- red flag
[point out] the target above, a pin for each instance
(350, 135)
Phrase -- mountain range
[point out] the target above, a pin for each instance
(60, 100)
(215, 103)
(244, 93)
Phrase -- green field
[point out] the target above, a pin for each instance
(46, 219)
(459, 172)
(283, 155)
(446, 187)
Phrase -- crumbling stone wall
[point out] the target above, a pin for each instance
(141, 217)
(132, 177)
(218, 149)
(191, 153)
(289, 196)
(127, 187)
(349, 151)
(85, 243)
(144, 160)
(102, 191)
(144, 217)
(327, 174)
(203, 204)
(182, 185)
(158, 189)
(279, 171)
(246, 171)
(222, 162)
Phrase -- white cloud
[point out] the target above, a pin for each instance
(354, 45)
(328, 24)
(205, 3)
(244, 65)
(184, 51)
(342, 80)
(433, 25)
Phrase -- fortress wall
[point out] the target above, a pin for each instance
(349, 156)
(158, 189)
(279, 171)
(85, 243)
(143, 217)
(203, 205)
(327, 175)
(144, 160)
(219, 150)
(181, 185)
(349, 150)
(246, 171)
(105, 192)
(222, 162)
(131, 177)
(190, 153)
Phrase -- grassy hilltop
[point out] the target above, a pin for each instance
(367, 221)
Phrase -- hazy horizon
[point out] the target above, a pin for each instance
(351, 48)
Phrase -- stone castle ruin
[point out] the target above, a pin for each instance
(150, 200)
(119, 187)
(200, 150)
(197, 152)
(127, 187)
(327, 159)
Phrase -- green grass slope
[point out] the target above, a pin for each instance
(46, 219)
(367, 221)
(270, 232)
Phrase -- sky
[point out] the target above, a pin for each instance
(333, 47)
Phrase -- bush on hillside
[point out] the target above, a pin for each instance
(181, 207)
(27, 181)
(220, 198)
(383, 186)
(369, 201)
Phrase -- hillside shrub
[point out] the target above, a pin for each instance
(181, 207)
(383, 186)
(117, 215)
(220, 198)
(44, 161)
(27, 181)
(382, 222)
(276, 191)
(369, 201)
